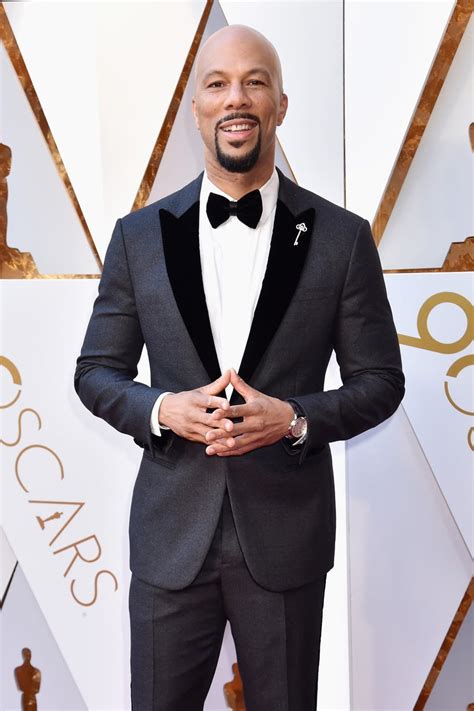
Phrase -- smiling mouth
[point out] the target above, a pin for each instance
(238, 128)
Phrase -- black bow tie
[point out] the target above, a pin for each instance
(248, 209)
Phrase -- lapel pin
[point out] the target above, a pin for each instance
(302, 228)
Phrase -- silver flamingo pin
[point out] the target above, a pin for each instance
(302, 228)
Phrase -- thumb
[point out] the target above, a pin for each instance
(240, 385)
(217, 386)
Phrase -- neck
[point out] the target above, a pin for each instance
(238, 184)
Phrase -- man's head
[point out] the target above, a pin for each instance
(238, 100)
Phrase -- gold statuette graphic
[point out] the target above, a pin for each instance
(43, 521)
(234, 692)
(28, 680)
(13, 263)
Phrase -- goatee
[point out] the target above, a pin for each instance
(238, 164)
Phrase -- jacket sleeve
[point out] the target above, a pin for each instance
(107, 365)
(367, 351)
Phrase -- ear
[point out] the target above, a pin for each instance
(193, 106)
(283, 109)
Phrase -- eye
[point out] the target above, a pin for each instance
(255, 82)
(215, 85)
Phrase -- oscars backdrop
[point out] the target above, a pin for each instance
(95, 122)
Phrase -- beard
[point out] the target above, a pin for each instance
(238, 164)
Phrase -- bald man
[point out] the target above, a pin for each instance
(241, 285)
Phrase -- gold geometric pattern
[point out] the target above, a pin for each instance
(433, 85)
(459, 617)
(460, 258)
(151, 171)
(11, 46)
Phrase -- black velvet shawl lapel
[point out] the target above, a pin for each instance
(183, 263)
(284, 267)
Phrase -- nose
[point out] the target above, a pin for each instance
(237, 96)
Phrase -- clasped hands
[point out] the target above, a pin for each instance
(265, 419)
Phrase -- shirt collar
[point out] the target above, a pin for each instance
(268, 192)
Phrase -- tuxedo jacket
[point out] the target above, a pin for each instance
(321, 292)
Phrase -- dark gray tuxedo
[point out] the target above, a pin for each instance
(325, 293)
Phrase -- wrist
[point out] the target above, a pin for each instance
(288, 416)
(164, 411)
(289, 411)
(298, 429)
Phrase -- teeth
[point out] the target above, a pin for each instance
(238, 127)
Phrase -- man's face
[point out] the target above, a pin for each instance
(238, 100)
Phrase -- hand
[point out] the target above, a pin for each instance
(185, 412)
(266, 420)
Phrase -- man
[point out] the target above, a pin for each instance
(240, 282)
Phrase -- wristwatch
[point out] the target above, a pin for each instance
(297, 429)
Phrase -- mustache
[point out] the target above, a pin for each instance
(237, 116)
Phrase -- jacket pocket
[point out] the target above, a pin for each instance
(164, 450)
(159, 459)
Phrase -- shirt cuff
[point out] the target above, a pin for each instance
(155, 416)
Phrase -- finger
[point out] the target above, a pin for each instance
(200, 423)
(238, 430)
(246, 410)
(199, 432)
(243, 444)
(211, 402)
(219, 417)
(238, 452)
(245, 441)
(218, 433)
(223, 446)
(223, 439)
(218, 423)
(218, 385)
(240, 385)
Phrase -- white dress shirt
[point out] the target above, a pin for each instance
(233, 262)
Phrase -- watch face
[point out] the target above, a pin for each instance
(299, 428)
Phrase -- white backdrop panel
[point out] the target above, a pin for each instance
(41, 217)
(308, 38)
(435, 205)
(454, 688)
(42, 337)
(22, 624)
(441, 429)
(57, 41)
(409, 566)
(183, 157)
(7, 563)
(105, 74)
(389, 48)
